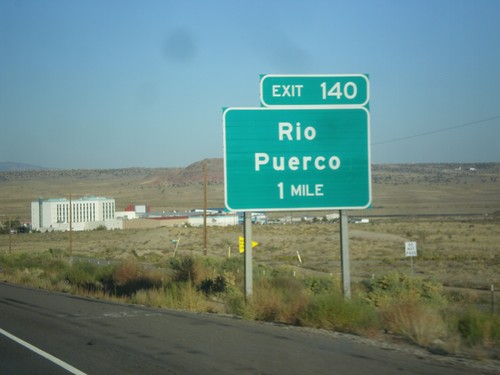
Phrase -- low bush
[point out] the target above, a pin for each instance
(396, 286)
(184, 296)
(279, 299)
(213, 286)
(409, 306)
(319, 285)
(130, 277)
(184, 269)
(84, 275)
(332, 311)
(236, 304)
(40, 270)
(478, 327)
(410, 317)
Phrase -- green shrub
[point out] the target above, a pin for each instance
(184, 269)
(409, 306)
(333, 311)
(130, 277)
(279, 299)
(396, 286)
(213, 286)
(319, 285)
(142, 282)
(43, 265)
(236, 304)
(82, 274)
(478, 328)
(233, 265)
(184, 296)
(410, 317)
(57, 253)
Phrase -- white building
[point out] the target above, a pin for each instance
(214, 220)
(126, 215)
(87, 213)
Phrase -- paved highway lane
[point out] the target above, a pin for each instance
(98, 337)
(16, 359)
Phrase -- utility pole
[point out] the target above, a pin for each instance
(10, 234)
(205, 207)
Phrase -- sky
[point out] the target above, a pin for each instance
(129, 83)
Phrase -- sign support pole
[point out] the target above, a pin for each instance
(344, 254)
(247, 234)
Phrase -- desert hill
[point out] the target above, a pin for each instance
(396, 188)
(15, 166)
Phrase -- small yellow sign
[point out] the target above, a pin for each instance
(242, 244)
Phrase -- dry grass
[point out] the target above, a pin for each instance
(421, 323)
(458, 252)
(281, 299)
(179, 297)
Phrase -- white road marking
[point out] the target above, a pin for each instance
(46, 355)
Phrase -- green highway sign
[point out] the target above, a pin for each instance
(279, 159)
(315, 91)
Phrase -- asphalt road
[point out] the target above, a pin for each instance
(97, 337)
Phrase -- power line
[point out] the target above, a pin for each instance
(436, 131)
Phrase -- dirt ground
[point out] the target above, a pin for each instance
(458, 252)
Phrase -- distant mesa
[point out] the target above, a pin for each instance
(13, 166)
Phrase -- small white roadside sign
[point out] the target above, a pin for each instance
(411, 249)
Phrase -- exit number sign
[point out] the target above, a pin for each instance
(314, 91)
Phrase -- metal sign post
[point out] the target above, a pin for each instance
(248, 254)
(344, 254)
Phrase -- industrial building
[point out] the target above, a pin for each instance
(87, 213)
(195, 218)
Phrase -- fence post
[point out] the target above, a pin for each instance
(492, 299)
